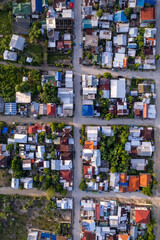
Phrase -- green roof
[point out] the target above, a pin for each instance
(96, 59)
(21, 8)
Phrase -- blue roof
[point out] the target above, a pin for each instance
(87, 110)
(53, 237)
(120, 17)
(132, 45)
(87, 24)
(151, 2)
(4, 130)
(45, 235)
(140, 3)
(38, 5)
(123, 184)
(58, 76)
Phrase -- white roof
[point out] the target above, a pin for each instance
(28, 182)
(15, 183)
(20, 138)
(17, 42)
(107, 130)
(119, 60)
(133, 32)
(46, 164)
(23, 97)
(118, 88)
(55, 164)
(67, 13)
(51, 23)
(120, 40)
(107, 59)
(32, 236)
(151, 111)
(10, 56)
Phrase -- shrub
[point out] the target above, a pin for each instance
(83, 185)
(99, 13)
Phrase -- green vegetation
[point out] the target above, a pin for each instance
(54, 59)
(11, 81)
(104, 104)
(56, 126)
(35, 32)
(35, 51)
(107, 75)
(17, 215)
(89, 56)
(99, 13)
(128, 12)
(16, 167)
(83, 185)
(10, 147)
(156, 57)
(149, 233)
(113, 149)
(140, 41)
(49, 94)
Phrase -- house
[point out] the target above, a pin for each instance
(92, 133)
(51, 109)
(23, 97)
(123, 237)
(119, 60)
(91, 41)
(28, 182)
(107, 131)
(15, 183)
(120, 40)
(17, 43)
(122, 27)
(133, 183)
(33, 236)
(34, 108)
(36, 6)
(133, 232)
(123, 183)
(107, 59)
(118, 88)
(3, 161)
(87, 110)
(65, 203)
(145, 179)
(122, 109)
(87, 235)
(40, 152)
(10, 56)
(120, 17)
(43, 109)
(142, 215)
(26, 164)
(138, 164)
(147, 15)
(67, 13)
(32, 129)
(105, 34)
(145, 149)
(21, 9)
(20, 138)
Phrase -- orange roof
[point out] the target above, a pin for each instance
(123, 188)
(145, 179)
(145, 110)
(51, 109)
(133, 183)
(125, 63)
(123, 237)
(123, 177)
(85, 170)
(148, 14)
(34, 128)
(89, 145)
(97, 212)
(143, 216)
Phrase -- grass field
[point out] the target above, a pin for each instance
(53, 58)
(6, 22)
(36, 52)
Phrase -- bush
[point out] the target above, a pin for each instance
(35, 32)
(156, 57)
(99, 13)
(10, 147)
(89, 56)
(83, 185)
(107, 75)
(109, 116)
(147, 190)
(50, 193)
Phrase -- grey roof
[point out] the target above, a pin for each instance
(10, 56)
(10, 108)
(17, 42)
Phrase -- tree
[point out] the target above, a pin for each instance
(16, 167)
(109, 116)
(41, 178)
(10, 147)
(35, 31)
(83, 185)
(156, 57)
(113, 170)
(53, 155)
(50, 193)
(49, 94)
(89, 56)
(147, 190)
(44, 155)
(96, 6)
(99, 13)
(39, 88)
(107, 75)
(128, 12)
(36, 178)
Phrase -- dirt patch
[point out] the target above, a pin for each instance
(5, 180)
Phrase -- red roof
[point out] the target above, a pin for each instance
(34, 128)
(66, 175)
(133, 183)
(148, 14)
(97, 212)
(60, 45)
(51, 109)
(71, 4)
(88, 236)
(143, 216)
(85, 170)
